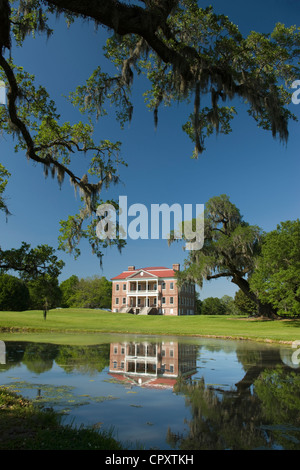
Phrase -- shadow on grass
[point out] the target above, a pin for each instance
(293, 323)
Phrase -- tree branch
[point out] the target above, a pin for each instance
(216, 276)
(87, 189)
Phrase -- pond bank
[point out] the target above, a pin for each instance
(86, 321)
(24, 426)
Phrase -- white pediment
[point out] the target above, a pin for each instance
(142, 274)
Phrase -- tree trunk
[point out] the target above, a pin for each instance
(4, 25)
(263, 309)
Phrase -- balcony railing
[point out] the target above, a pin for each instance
(137, 291)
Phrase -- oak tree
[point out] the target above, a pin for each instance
(230, 250)
(185, 52)
(31, 263)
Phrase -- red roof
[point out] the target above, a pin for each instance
(159, 271)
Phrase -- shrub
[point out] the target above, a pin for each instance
(14, 294)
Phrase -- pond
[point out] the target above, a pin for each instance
(166, 393)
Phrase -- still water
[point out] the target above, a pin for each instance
(166, 393)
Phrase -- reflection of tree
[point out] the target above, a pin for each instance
(13, 356)
(255, 361)
(85, 359)
(279, 392)
(39, 357)
(241, 418)
(230, 421)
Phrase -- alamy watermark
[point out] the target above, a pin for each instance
(2, 93)
(296, 94)
(2, 353)
(162, 222)
(296, 354)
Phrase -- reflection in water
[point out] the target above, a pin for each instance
(152, 364)
(206, 394)
(238, 419)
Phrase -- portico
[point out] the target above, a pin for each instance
(142, 293)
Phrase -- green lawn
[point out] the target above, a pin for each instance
(90, 321)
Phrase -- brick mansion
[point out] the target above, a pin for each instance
(150, 291)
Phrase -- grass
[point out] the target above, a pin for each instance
(23, 426)
(85, 321)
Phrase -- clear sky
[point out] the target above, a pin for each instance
(258, 173)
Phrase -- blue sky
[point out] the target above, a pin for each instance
(258, 173)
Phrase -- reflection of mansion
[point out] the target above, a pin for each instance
(152, 290)
(156, 365)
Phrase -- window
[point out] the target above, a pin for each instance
(172, 285)
(163, 285)
(117, 287)
(163, 300)
(124, 300)
(124, 286)
(117, 301)
(171, 300)
(115, 350)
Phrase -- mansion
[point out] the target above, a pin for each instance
(150, 291)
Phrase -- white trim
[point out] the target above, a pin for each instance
(141, 271)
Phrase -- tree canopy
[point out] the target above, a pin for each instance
(185, 52)
(265, 266)
(213, 306)
(4, 175)
(14, 294)
(31, 263)
(38, 269)
(230, 250)
(244, 303)
(92, 292)
(276, 278)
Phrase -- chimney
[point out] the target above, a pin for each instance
(131, 268)
(176, 267)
